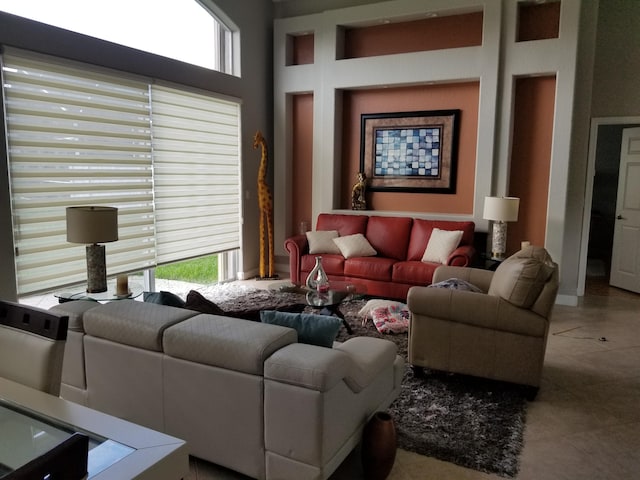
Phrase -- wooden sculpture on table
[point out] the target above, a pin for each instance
(265, 204)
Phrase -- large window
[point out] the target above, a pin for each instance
(180, 29)
(167, 157)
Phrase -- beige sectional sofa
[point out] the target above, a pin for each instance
(245, 395)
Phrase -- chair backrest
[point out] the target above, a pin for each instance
(32, 344)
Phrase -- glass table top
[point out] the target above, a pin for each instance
(26, 435)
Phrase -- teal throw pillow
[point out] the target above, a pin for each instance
(318, 330)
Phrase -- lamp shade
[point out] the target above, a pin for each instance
(92, 224)
(502, 209)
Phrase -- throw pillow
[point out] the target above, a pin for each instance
(195, 301)
(321, 241)
(355, 245)
(365, 312)
(318, 330)
(441, 244)
(163, 298)
(457, 284)
(391, 319)
(519, 280)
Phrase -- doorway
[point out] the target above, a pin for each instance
(600, 200)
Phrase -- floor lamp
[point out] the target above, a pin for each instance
(500, 210)
(93, 225)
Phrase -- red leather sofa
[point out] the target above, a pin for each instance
(400, 243)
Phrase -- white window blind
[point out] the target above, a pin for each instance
(75, 137)
(196, 173)
(78, 135)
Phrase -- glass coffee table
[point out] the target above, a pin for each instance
(329, 301)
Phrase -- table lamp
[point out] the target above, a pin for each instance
(500, 210)
(92, 225)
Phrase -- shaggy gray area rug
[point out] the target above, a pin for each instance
(472, 422)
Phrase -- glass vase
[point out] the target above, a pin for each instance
(317, 278)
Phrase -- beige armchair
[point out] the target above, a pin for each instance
(500, 333)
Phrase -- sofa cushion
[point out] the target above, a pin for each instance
(421, 232)
(75, 311)
(134, 323)
(318, 330)
(321, 241)
(389, 236)
(521, 277)
(344, 224)
(365, 312)
(414, 272)
(441, 244)
(224, 342)
(355, 245)
(391, 319)
(372, 268)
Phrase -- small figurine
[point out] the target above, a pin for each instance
(358, 200)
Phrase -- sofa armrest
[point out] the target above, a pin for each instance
(357, 362)
(476, 309)
(297, 246)
(461, 256)
(476, 276)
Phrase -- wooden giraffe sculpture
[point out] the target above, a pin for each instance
(265, 203)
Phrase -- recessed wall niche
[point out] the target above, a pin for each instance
(300, 49)
(431, 33)
(538, 20)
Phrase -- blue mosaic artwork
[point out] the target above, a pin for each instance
(408, 152)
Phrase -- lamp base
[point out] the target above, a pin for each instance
(96, 269)
(499, 240)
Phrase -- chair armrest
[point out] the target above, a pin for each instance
(297, 246)
(477, 309)
(461, 256)
(476, 276)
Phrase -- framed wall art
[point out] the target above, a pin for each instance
(410, 151)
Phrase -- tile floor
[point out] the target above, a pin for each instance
(585, 422)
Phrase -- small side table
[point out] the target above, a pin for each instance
(135, 290)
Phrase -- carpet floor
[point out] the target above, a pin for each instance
(468, 421)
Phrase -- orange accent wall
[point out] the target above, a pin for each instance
(453, 31)
(531, 159)
(463, 96)
(302, 135)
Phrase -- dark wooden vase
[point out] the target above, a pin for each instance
(378, 446)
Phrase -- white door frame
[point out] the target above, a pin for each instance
(588, 196)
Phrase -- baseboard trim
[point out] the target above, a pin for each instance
(568, 300)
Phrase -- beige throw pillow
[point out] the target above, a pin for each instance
(321, 241)
(441, 244)
(520, 279)
(355, 245)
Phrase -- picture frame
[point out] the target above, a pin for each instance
(410, 151)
